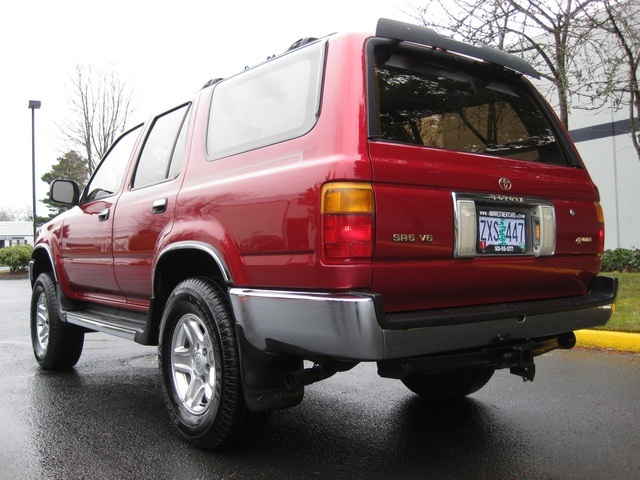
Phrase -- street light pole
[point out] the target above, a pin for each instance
(33, 105)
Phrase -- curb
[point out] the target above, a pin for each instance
(607, 340)
(18, 276)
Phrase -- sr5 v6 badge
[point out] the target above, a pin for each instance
(412, 237)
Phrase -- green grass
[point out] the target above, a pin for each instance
(627, 314)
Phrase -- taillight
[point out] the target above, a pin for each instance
(600, 214)
(348, 214)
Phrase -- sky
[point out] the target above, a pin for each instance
(164, 50)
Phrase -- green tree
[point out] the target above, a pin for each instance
(71, 166)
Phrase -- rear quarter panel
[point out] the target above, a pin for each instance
(261, 208)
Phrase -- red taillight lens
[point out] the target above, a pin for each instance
(348, 236)
(600, 228)
(348, 220)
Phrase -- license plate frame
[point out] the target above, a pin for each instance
(502, 231)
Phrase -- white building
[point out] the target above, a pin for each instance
(604, 142)
(15, 233)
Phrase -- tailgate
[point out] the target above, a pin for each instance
(448, 234)
(480, 197)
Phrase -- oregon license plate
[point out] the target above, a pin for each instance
(501, 231)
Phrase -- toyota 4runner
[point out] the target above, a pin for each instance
(401, 198)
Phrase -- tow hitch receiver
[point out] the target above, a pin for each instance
(520, 362)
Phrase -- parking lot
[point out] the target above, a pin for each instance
(106, 419)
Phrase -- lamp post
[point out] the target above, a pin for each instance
(33, 105)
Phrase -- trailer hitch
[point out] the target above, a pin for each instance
(519, 359)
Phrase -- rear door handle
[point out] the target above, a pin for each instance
(103, 215)
(160, 205)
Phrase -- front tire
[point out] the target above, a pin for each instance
(56, 345)
(199, 360)
(449, 384)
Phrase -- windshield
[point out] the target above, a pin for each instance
(433, 105)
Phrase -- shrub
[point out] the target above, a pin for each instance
(621, 260)
(16, 258)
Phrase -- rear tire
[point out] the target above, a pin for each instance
(56, 345)
(199, 360)
(448, 385)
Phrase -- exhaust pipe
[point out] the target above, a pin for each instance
(567, 340)
(307, 376)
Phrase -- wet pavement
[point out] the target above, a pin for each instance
(580, 418)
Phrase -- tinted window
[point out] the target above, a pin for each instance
(108, 176)
(440, 107)
(164, 149)
(270, 103)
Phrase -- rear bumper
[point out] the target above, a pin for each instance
(353, 326)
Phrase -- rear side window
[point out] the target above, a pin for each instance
(436, 106)
(273, 102)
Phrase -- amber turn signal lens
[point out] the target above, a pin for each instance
(347, 197)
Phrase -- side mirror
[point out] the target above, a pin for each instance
(66, 192)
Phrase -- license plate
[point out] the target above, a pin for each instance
(501, 231)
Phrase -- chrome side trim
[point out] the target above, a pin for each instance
(340, 326)
(193, 245)
(47, 249)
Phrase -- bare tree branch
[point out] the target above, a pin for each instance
(550, 34)
(101, 105)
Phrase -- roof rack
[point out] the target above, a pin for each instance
(301, 43)
(428, 37)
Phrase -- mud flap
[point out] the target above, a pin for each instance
(263, 376)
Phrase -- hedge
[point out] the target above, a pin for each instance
(16, 257)
(621, 260)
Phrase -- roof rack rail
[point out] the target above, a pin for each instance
(213, 81)
(428, 37)
(301, 42)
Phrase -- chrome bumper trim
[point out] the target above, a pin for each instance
(348, 326)
(338, 326)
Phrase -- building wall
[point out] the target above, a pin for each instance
(604, 143)
(15, 233)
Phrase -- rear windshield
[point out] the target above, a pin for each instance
(433, 105)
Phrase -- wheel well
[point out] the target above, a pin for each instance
(174, 267)
(41, 263)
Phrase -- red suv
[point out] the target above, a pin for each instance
(401, 198)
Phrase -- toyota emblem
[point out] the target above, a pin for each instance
(505, 184)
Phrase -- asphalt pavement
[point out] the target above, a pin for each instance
(106, 419)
